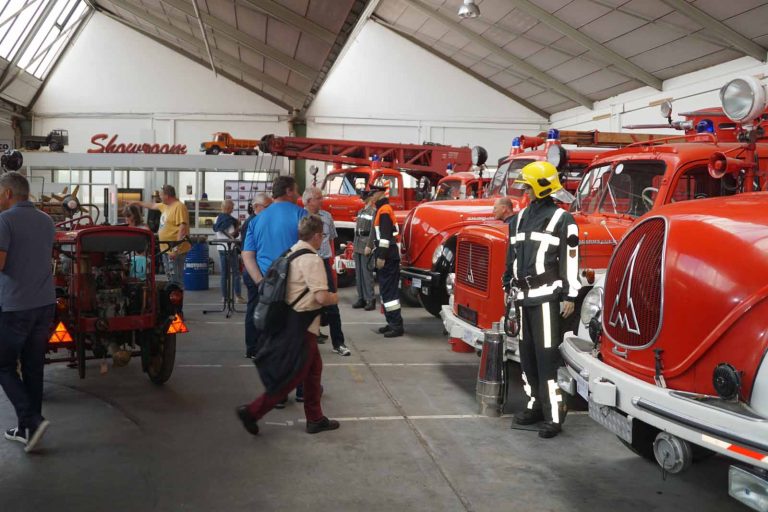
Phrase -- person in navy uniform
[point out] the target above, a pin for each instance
(387, 257)
(542, 275)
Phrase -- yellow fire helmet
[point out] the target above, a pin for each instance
(543, 178)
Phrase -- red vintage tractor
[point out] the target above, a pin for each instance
(108, 301)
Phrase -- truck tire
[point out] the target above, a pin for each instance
(215, 150)
(55, 146)
(434, 303)
(410, 296)
(643, 436)
(162, 358)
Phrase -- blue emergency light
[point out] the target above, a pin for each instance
(516, 142)
(705, 126)
(553, 134)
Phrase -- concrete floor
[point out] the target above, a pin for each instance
(409, 438)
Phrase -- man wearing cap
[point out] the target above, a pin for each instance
(542, 274)
(387, 255)
(363, 247)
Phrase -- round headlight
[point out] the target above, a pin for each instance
(479, 155)
(592, 305)
(436, 255)
(743, 99)
(556, 155)
(450, 279)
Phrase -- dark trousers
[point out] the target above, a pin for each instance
(389, 279)
(540, 358)
(363, 278)
(25, 338)
(251, 333)
(230, 264)
(310, 374)
(332, 314)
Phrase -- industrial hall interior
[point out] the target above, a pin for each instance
(383, 255)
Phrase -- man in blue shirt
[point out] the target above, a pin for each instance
(259, 203)
(27, 299)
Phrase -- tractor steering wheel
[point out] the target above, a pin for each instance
(647, 198)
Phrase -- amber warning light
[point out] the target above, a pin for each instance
(60, 335)
(177, 326)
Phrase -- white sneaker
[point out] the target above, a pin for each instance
(342, 350)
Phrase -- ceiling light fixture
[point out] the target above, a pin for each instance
(469, 9)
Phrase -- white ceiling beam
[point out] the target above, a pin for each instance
(549, 81)
(46, 10)
(224, 58)
(223, 28)
(631, 70)
(737, 40)
(287, 16)
(205, 36)
(496, 87)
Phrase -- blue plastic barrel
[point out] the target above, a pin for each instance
(196, 268)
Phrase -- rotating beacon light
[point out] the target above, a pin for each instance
(469, 9)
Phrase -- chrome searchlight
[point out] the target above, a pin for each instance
(743, 99)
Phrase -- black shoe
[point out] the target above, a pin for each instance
(370, 305)
(281, 405)
(321, 338)
(248, 422)
(549, 430)
(528, 417)
(300, 398)
(394, 333)
(385, 329)
(17, 434)
(360, 303)
(314, 427)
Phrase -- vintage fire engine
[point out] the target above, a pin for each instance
(410, 171)
(108, 302)
(675, 362)
(619, 187)
(429, 232)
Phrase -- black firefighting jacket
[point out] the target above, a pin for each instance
(386, 234)
(542, 254)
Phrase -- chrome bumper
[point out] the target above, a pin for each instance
(472, 335)
(706, 421)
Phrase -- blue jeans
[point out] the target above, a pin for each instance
(227, 260)
(25, 339)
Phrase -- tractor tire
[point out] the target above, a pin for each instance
(162, 358)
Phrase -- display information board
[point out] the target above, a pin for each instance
(242, 192)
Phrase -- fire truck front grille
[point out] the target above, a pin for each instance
(634, 286)
(472, 265)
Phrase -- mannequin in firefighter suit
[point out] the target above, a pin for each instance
(541, 273)
(387, 258)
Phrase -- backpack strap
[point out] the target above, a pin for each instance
(292, 256)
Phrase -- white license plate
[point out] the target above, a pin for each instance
(467, 337)
(349, 263)
(582, 387)
(416, 282)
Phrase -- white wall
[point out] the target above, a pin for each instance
(688, 92)
(115, 80)
(387, 89)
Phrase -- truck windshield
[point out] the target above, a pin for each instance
(505, 176)
(219, 137)
(450, 189)
(621, 188)
(345, 183)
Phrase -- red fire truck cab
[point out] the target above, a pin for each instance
(676, 359)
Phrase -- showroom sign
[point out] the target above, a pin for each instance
(112, 146)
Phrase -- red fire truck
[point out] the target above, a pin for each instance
(676, 359)
(429, 231)
(410, 171)
(619, 187)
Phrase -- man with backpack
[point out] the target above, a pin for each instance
(289, 355)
